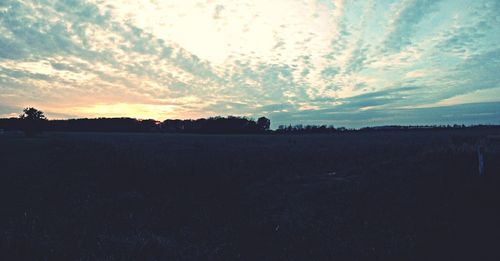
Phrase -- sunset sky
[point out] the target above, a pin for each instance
(347, 63)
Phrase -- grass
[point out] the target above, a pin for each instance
(405, 195)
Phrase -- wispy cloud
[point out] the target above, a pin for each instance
(312, 60)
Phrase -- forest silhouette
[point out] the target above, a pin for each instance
(33, 121)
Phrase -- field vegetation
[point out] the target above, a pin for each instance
(381, 195)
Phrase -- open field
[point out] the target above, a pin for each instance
(405, 195)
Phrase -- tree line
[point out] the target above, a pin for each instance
(33, 121)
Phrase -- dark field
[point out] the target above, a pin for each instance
(402, 195)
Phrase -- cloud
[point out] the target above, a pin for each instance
(469, 114)
(9, 111)
(307, 59)
(386, 98)
(405, 22)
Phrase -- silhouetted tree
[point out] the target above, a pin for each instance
(263, 123)
(33, 121)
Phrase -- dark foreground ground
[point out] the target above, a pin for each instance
(412, 195)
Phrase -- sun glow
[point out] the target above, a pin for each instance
(139, 111)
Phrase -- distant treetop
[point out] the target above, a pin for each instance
(32, 121)
(31, 113)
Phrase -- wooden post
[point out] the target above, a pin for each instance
(480, 157)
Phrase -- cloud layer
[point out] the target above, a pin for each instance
(308, 61)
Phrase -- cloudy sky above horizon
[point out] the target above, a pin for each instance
(350, 63)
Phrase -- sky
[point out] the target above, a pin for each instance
(347, 63)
